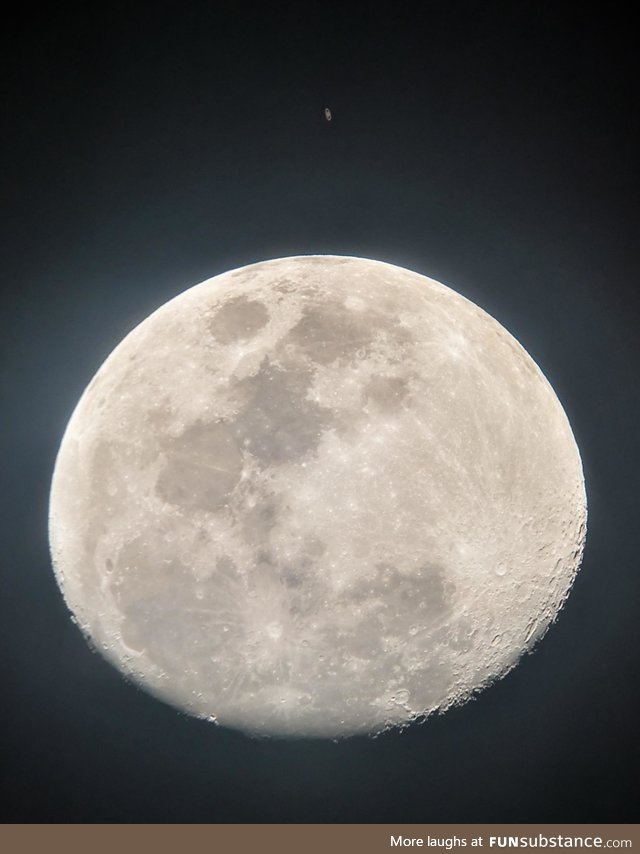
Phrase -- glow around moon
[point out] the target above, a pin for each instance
(317, 496)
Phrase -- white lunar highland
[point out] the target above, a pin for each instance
(317, 496)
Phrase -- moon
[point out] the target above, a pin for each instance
(317, 496)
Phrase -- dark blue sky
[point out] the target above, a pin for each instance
(490, 146)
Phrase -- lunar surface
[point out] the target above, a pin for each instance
(317, 496)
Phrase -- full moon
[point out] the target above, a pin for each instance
(317, 496)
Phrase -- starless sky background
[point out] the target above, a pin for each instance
(491, 146)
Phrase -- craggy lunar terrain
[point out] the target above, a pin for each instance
(317, 496)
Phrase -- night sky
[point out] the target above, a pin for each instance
(493, 147)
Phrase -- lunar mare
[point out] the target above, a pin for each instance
(317, 496)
